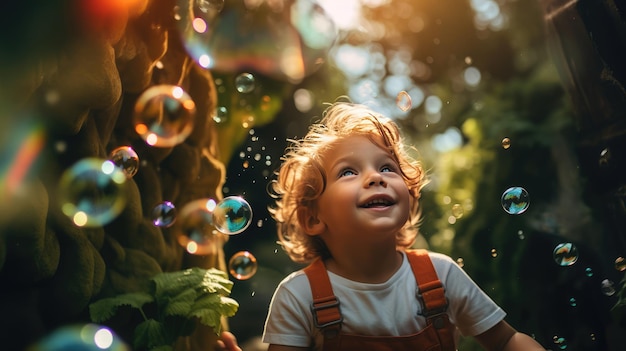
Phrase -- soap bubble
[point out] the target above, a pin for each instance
(164, 214)
(92, 192)
(244, 83)
(194, 227)
(620, 264)
(403, 101)
(565, 254)
(515, 200)
(607, 287)
(283, 41)
(164, 115)
(242, 265)
(232, 215)
(560, 342)
(125, 158)
(506, 143)
(89, 337)
(457, 211)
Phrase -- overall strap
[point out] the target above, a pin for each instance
(431, 294)
(325, 306)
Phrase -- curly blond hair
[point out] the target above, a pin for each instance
(301, 178)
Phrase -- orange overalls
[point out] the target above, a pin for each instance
(437, 336)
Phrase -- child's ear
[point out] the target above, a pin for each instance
(309, 222)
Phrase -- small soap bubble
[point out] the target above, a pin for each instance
(605, 157)
(126, 159)
(460, 262)
(506, 143)
(403, 101)
(515, 200)
(164, 115)
(242, 265)
(194, 227)
(244, 83)
(92, 192)
(589, 272)
(221, 115)
(494, 253)
(520, 234)
(560, 342)
(232, 215)
(607, 287)
(88, 337)
(208, 5)
(457, 211)
(164, 214)
(572, 302)
(620, 264)
(565, 254)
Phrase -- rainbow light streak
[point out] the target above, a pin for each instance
(18, 156)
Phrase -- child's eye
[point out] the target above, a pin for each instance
(387, 169)
(346, 172)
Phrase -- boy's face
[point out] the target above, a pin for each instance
(365, 192)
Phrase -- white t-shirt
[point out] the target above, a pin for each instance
(386, 309)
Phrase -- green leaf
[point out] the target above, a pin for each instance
(150, 334)
(210, 318)
(216, 281)
(180, 305)
(106, 308)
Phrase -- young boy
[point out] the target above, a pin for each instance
(347, 203)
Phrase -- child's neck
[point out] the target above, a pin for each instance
(374, 266)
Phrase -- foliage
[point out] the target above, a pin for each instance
(182, 299)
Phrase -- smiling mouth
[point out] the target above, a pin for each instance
(375, 203)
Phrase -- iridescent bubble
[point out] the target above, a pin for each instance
(457, 210)
(125, 158)
(607, 287)
(620, 264)
(589, 272)
(560, 342)
(164, 214)
(494, 253)
(282, 40)
(194, 227)
(506, 143)
(242, 265)
(460, 262)
(164, 115)
(403, 101)
(572, 302)
(221, 115)
(92, 192)
(244, 83)
(565, 254)
(232, 215)
(89, 337)
(515, 200)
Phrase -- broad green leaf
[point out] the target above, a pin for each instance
(180, 304)
(209, 317)
(106, 308)
(173, 283)
(150, 334)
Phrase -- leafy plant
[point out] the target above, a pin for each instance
(182, 299)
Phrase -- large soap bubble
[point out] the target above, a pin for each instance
(285, 40)
(164, 115)
(515, 200)
(88, 337)
(232, 215)
(92, 192)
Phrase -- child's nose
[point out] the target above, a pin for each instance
(375, 178)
